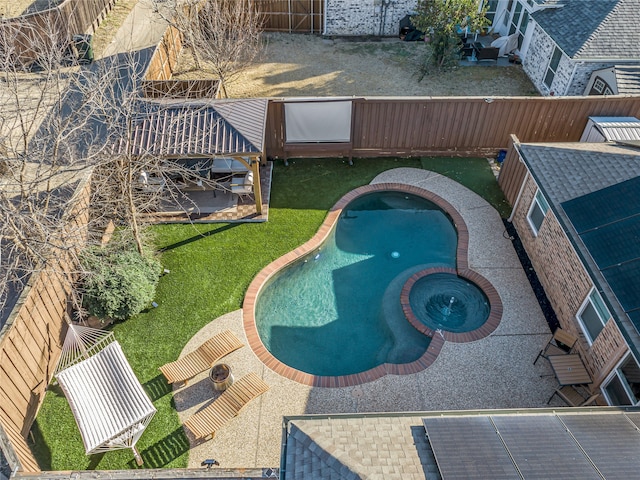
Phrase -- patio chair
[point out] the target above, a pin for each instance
(201, 358)
(572, 397)
(561, 342)
(242, 185)
(229, 404)
(487, 53)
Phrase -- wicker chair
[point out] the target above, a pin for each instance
(487, 53)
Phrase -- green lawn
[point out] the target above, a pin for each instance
(211, 267)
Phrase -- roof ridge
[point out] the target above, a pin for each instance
(600, 27)
(338, 461)
(233, 112)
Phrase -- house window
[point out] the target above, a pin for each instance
(515, 19)
(491, 6)
(623, 387)
(553, 67)
(537, 212)
(598, 85)
(607, 91)
(593, 316)
(507, 14)
(523, 28)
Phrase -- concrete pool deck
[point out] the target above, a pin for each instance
(494, 372)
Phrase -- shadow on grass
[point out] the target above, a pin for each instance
(95, 460)
(40, 449)
(157, 387)
(318, 183)
(195, 238)
(55, 389)
(164, 451)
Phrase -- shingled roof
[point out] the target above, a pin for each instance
(358, 448)
(594, 29)
(597, 442)
(628, 79)
(567, 172)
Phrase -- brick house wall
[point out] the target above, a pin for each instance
(566, 283)
(366, 17)
(571, 76)
(538, 57)
(582, 75)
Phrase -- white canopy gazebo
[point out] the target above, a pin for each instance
(110, 406)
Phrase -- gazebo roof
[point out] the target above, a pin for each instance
(216, 128)
(110, 406)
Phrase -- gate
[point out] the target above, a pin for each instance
(292, 16)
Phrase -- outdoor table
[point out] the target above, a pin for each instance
(569, 369)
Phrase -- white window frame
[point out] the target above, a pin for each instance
(508, 14)
(617, 372)
(491, 9)
(598, 85)
(607, 91)
(542, 204)
(552, 69)
(593, 293)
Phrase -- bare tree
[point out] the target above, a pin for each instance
(225, 36)
(63, 126)
(42, 162)
(132, 182)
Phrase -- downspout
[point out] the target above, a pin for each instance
(283, 447)
(324, 18)
(383, 16)
(515, 204)
(516, 143)
(573, 74)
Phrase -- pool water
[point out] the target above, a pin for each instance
(337, 311)
(449, 302)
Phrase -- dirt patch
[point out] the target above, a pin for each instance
(306, 65)
(15, 8)
(107, 30)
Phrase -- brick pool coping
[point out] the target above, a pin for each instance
(437, 342)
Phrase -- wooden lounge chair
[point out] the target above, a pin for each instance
(201, 358)
(229, 404)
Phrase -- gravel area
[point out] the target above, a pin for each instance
(495, 372)
(306, 65)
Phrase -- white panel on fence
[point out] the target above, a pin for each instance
(308, 122)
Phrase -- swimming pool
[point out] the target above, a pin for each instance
(335, 311)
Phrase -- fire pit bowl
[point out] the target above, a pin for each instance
(221, 377)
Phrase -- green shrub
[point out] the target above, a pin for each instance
(120, 283)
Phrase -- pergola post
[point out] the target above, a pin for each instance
(257, 191)
(137, 456)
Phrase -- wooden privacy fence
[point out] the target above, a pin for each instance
(292, 16)
(464, 126)
(512, 172)
(157, 82)
(181, 89)
(165, 56)
(27, 37)
(32, 337)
